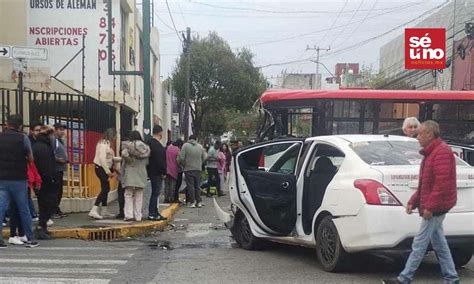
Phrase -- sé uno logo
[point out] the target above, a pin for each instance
(420, 48)
(425, 48)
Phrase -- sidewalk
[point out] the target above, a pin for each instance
(81, 226)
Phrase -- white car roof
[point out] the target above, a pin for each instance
(354, 138)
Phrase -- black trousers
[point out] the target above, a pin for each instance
(104, 186)
(213, 176)
(47, 201)
(59, 184)
(179, 181)
(121, 197)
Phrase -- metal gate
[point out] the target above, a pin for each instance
(86, 119)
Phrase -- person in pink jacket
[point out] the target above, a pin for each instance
(221, 165)
(172, 169)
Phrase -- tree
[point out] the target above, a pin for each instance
(243, 124)
(220, 80)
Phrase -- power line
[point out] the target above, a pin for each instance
(163, 22)
(350, 21)
(288, 12)
(321, 30)
(364, 42)
(172, 20)
(181, 12)
(363, 20)
(336, 19)
(359, 43)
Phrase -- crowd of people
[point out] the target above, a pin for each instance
(36, 163)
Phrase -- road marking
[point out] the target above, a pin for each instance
(45, 270)
(37, 280)
(81, 248)
(64, 261)
(42, 254)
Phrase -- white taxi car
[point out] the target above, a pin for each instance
(340, 194)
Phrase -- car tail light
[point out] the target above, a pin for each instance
(376, 193)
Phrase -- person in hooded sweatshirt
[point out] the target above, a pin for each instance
(46, 164)
(192, 156)
(135, 155)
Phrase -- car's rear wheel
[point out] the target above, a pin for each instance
(244, 236)
(461, 256)
(330, 252)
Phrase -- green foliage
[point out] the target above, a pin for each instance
(220, 80)
(242, 124)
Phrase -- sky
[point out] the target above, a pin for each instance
(280, 31)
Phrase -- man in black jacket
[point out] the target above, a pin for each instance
(156, 172)
(46, 163)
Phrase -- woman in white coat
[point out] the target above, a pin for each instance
(135, 155)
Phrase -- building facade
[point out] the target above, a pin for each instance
(74, 35)
(72, 84)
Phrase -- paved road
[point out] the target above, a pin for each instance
(198, 249)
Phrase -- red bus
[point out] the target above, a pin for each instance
(305, 113)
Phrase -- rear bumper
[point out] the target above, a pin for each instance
(387, 228)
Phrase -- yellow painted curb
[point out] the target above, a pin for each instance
(114, 231)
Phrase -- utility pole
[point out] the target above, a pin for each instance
(186, 46)
(318, 49)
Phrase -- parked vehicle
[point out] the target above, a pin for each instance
(340, 194)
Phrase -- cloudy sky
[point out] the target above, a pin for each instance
(278, 32)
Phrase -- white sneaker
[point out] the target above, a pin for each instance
(36, 219)
(15, 241)
(192, 205)
(50, 222)
(200, 204)
(23, 239)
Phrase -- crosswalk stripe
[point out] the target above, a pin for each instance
(38, 280)
(42, 254)
(64, 261)
(79, 248)
(43, 270)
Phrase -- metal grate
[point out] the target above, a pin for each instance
(104, 235)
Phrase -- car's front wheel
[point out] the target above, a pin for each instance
(330, 252)
(243, 234)
(461, 256)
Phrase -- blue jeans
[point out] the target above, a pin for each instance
(431, 231)
(156, 185)
(17, 192)
(31, 205)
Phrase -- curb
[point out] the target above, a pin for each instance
(108, 233)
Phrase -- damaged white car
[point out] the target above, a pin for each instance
(340, 194)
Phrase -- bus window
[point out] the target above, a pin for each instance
(399, 110)
(346, 109)
(391, 127)
(300, 122)
(344, 127)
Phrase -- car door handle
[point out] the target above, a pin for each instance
(285, 185)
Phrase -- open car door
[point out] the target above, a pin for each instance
(267, 184)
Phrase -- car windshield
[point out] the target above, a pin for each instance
(390, 153)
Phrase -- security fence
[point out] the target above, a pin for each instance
(86, 119)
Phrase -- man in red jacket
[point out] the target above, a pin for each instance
(435, 196)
